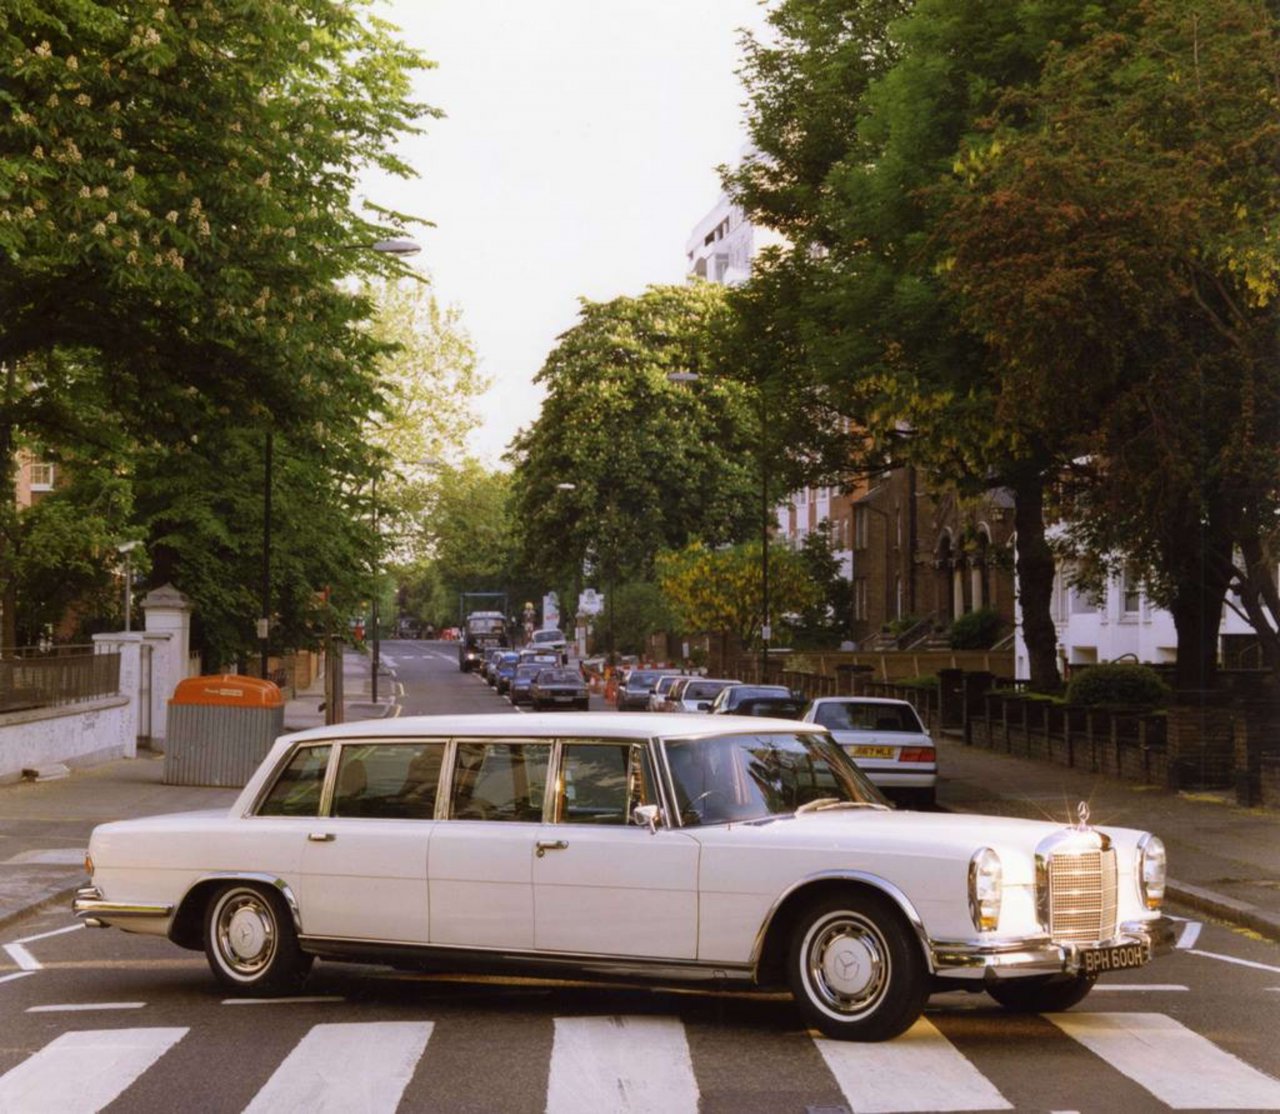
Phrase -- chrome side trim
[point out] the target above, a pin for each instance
(548, 964)
(89, 905)
(874, 881)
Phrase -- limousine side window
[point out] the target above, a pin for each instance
(296, 791)
(601, 783)
(388, 781)
(499, 781)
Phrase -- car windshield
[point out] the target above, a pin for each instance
(702, 690)
(527, 671)
(855, 715)
(558, 677)
(641, 679)
(757, 775)
(547, 636)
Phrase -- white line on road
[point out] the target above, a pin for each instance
(1137, 986)
(1190, 932)
(81, 1072)
(16, 975)
(300, 1000)
(339, 1068)
(1179, 1067)
(76, 1007)
(24, 958)
(920, 1070)
(1232, 959)
(627, 1065)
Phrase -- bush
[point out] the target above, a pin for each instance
(978, 630)
(1122, 683)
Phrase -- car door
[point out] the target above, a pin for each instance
(601, 883)
(481, 863)
(364, 865)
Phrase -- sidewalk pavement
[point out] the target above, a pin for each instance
(1224, 860)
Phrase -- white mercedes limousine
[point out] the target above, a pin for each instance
(655, 847)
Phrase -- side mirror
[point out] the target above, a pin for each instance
(646, 816)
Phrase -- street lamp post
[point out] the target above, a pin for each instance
(397, 246)
(127, 549)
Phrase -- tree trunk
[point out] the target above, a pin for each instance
(1200, 569)
(1035, 569)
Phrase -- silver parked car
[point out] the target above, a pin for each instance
(887, 741)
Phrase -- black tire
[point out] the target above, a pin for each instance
(1042, 993)
(250, 942)
(856, 969)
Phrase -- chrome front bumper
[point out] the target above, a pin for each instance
(998, 959)
(96, 912)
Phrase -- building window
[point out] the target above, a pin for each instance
(860, 516)
(860, 598)
(1132, 593)
(41, 475)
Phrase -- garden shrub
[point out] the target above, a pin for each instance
(978, 630)
(1121, 683)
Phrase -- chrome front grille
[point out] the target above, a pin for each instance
(1081, 896)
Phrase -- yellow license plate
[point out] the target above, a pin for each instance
(875, 752)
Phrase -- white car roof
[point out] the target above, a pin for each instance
(550, 725)
(860, 700)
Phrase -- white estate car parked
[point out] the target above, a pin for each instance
(887, 741)
(659, 847)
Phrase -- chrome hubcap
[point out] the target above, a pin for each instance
(848, 964)
(246, 933)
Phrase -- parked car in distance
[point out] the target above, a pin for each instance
(632, 847)
(522, 681)
(697, 695)
(489, 668)
(658, 696)
(634, 690)
(539, 657)
(888, 742)
(750, 700)
(505, 670)
(558, 688)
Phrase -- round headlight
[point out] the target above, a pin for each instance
(1152, 868)
(986, 888)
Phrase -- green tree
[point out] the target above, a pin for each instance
(622, 462)
(1114, 236)
(890, 91)
(176, 199)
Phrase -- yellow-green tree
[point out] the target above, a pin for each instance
(720, 589)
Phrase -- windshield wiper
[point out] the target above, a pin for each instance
(822, 804)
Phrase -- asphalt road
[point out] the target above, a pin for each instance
(103, 1020)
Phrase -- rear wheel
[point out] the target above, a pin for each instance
(250, 941)
(1042, 994)
(855, 968)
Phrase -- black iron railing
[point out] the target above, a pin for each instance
(36, 677)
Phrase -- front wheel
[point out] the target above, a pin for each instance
(855, 969)
(250, 941)
(1042, 993)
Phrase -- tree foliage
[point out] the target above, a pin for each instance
(622, 462)
(177, 209)
(722, 589)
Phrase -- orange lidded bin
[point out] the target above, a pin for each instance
(220, 729)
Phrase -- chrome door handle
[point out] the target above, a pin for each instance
(545, 845)
(322, 837)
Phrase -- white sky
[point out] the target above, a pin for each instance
(577, 153)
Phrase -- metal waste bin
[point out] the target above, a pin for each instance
(220, 729)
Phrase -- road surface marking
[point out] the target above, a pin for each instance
(1190, 934)
(24, 958)
(1137, 986)
(74, 1007)
(1233, 959)
(1179, 1067)
(339, 1068)
(81, 1072)
(301, 999)
(627, 1065)
(16, 975)
(920, 1070)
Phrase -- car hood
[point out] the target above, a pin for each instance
(954, 836)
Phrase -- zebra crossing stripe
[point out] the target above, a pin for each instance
(343, 1067)
(1179, 1067)
(627, 1065)
(81, 1072)
(920, 1070)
